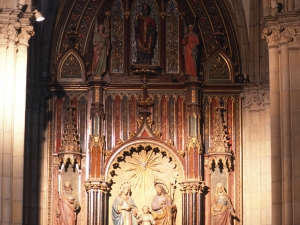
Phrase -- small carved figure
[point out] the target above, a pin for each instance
(124, 210)
(190, 50)
(101, 51)
(146, 217)
(164, 209)
(68, 205)
(145, 31)
(222, 209)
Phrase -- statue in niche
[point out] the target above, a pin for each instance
(163, 207)
(222, 209)
(68, 205)
(190, 50)
(145, 31)
(101, 45)
(146, 217)
(124, 210)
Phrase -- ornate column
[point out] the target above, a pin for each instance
(256, 155)
(15, 31)
(192, 199)
(284, 112)
(97, 194)
(97, 139)
(193, 154)
(192, 202)
(96, 187)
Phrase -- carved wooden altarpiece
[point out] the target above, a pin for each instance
(137, 122)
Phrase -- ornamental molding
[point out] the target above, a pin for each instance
(9, 31)
(255, 98)
(96, 185)
(192, 186)
(279, 34)
(26, 33)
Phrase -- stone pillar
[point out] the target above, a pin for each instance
(283, 39)
(97, 204)
(14, 36)
(256, 155)
(192, 202)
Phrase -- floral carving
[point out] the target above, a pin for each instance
(254, 98)
(280, 34)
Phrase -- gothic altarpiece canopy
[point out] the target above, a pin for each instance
(145, 106)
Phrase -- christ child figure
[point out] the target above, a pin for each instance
(146, 217)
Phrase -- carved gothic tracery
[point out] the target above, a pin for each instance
(71, 67)
(172, 40)
(117, 37)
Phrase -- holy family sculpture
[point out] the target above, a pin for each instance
(163, 209)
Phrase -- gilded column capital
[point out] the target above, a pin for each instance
(192, 186)
(96, 185)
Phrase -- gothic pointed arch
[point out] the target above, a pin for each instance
(219, 69)
(140, 162)
(71, 68)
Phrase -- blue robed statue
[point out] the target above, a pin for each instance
(124, 210)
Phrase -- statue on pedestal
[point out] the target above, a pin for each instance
(101, 50)
(145, 31)
(68, 206)
(190, 51)
(222, 209)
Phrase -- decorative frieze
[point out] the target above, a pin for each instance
(96, 185)
(192, 186)
(255, 98)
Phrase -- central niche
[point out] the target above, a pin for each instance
(141, 165)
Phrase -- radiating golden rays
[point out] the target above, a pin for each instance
(143, 169)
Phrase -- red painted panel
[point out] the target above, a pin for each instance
(215, 103)
(180, 123)
(117, 118)
(164, 117)
(95, 162)
(230, 116)
(191, 163)
(75, 116)
(132, 114)
(58, 123)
